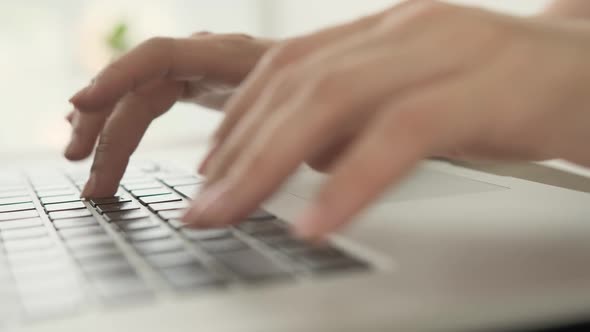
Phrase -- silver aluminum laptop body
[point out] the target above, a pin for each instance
(450, 249)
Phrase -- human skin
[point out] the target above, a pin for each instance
(381, 93)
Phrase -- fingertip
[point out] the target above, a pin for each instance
(75, 155)
(309, 226)
(203, 166)
(76, 149)
(90, 186)
(70, 116)
(79, 98)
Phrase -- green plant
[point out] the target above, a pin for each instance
(117, 40)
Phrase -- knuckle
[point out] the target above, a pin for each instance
(160, 50)
(425, 9)
(200, 34)
(239, 36)
(417, 13)
(328, 88)
(157, 43)
(104, 144)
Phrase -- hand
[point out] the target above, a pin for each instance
(128, 94)
(421, 79)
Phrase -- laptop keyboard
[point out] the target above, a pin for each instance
(60, 254)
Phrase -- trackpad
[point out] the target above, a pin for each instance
(423, 184)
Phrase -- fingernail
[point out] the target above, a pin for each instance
(308, 226)
(90, 186)
(209, 207)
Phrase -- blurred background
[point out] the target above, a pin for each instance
(49, 49)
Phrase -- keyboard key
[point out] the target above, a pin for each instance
(137, 224)
(15, 200)
(171, 259)
(324, 258)
(23, 233)
(155, 247)
(65, 206)
(75, 222)
(222, 245)
(69, 214)
(109, 200)
(52, 193)
(127, 206)
(60, 199)
(41, 269)
(99, 261)
(28, 244)
(262, 227)
(129, 288)
(150, 192)
(70, 233)
(21, 223)
(159, 198)
(125, 215)
(97, 250)
(187, 191)
(142, 185)
(18, 215)
(183, 181)
(285, 242)
(34, 257)
(168, 206)
(59, 185)
(106, 266)
(171, 214)
(176, 223)
(150, 234)
(98, 240)
(17, 207)
(132, 178)
(113, 272)
(7, 186)
(261, 215)
(250, 265)
(13, 193)
(190, 277)
(206, 234)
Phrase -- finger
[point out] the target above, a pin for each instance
(165, 58)
(293, 52)
(249, 93)
(390, 147)
(325, 158)
(335, 83)
(318, 113)
(85, 130)
(437, 118)
(71, 115)
(122, 133)
(265, 166)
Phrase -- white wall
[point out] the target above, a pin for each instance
(49, 49)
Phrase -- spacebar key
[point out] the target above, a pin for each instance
(250, 265)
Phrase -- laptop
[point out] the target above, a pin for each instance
(449, 249)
